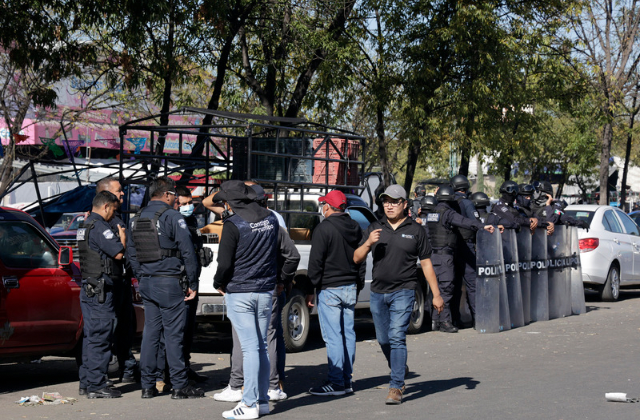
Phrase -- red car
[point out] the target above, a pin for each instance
(39, 296)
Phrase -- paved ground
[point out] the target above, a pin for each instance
(558, 369)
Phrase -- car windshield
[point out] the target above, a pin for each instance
(581, 215)
(76, 223)
(64, 220)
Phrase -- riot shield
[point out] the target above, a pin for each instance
(577, 287)
(512, 276)
(566, 303)
(556, 254)
(524, 263)
(489, 281)
(539, 279)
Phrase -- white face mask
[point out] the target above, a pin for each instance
(323, 212)
(187, 210)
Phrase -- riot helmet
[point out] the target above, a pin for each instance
(543, 186)
(480, 200)
(446, 193)
(460, 182)
(509, 188)
(526, 189)
(420, 191)
(428, 203)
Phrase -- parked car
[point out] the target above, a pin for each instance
(609, 250)
(39, 296)
(635, 216)
(64, 232)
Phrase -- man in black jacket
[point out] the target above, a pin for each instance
(337, 279)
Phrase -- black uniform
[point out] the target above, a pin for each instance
(495, 220)
(161, 291)
(510, 215)
(465, 258)
(443, 239)
(124, 326)
(98, 245)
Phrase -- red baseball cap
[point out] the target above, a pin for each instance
(335, 199)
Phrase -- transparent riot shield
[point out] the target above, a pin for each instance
(566, 302)
(512, 276)
(524, 263)
(489, 281)
(539, 279)
(577, 287)
(556, 254)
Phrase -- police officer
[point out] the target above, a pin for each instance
(466, 255)
(160, 250)
(481, 202)
(558, 207)
(505, 207)
(100, 255)
(541, 204)
(420, 191)
(440, 221)
(523, 200)
(123, 303)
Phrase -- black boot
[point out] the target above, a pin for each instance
(105, 392)
(149, 392)
(447, 327)
(187, 392)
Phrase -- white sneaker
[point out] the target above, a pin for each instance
(264, 409)
(241, 411)
(276, 395)
(228, 395)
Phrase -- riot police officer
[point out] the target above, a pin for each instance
(160, 250)
(541, 204)
(523, 200)
(505, 208)
(466, 258)
(440, 219)
(101, 253)
(419, 192)
(481, 202)
(123, 304)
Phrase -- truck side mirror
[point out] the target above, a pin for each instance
(65, 256)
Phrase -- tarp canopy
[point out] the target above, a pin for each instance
(77, 200)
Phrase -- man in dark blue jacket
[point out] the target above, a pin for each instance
(246, 275)
(337, 279)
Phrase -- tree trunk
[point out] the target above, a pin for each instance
(607, 136)
(412, 160)
(464, 161)
(627, 155)
(382, 146)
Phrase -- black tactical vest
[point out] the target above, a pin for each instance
(145, 237)
(92, 265)
(440, 236)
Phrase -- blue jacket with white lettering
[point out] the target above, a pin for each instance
(247, 256)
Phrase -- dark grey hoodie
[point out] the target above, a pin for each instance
(331, 258)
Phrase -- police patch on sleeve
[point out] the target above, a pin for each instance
(80, 234)
(182, 224)
(108, 234)
(503, 209)
(476, 214)
(433, 217)
(544, 213)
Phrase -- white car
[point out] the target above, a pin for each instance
(609, 251)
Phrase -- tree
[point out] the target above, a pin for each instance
(604, 36)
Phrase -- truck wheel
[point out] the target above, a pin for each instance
(295, 322)
(417, 315)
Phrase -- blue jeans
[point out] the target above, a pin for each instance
(336, 313)
(391, 315)
(250, 314)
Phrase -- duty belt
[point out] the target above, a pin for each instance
(442, 251)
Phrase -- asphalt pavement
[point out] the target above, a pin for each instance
(559, 369)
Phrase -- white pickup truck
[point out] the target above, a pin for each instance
(296, 316)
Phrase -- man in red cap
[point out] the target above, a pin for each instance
(337, 280)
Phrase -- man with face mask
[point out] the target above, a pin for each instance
(541, 204)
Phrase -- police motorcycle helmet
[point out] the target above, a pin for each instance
(428, 203)
(446, 194)
(480, 199)
(460, 182)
